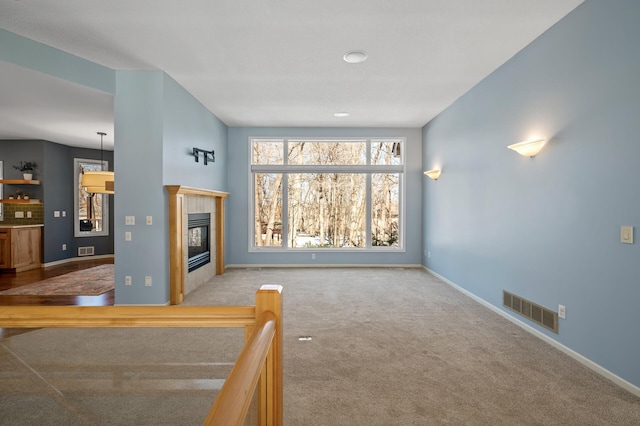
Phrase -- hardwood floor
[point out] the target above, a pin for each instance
(10, 280)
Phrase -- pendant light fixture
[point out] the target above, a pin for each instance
(99, 181)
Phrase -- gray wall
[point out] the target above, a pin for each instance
(55, 171)
(548, 228)
(238, 202)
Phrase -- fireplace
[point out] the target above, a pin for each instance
(198, 240)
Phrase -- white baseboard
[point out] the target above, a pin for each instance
(76, 259)
(320, 265)
(573, 354)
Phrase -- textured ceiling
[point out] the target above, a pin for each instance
(271, 62)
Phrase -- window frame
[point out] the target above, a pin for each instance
(76, 200)
(368, 169)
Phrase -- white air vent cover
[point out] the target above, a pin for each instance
(85, 251)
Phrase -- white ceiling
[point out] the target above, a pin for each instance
(268, 62)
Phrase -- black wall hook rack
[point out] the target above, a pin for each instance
(207, 155)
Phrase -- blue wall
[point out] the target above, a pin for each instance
(188, 124)
(548, 228)
(157, 123)
(237, 204)
(39, 57)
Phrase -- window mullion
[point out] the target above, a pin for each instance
(368, 204)
(285, 211)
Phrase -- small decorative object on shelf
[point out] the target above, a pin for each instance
(27, 168)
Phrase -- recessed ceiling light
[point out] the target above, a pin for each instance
(355, 56)
(341, 114)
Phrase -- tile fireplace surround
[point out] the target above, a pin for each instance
(182, 201)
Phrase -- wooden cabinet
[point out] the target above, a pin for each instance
(6, 199)
(21, 248)
(5, 248)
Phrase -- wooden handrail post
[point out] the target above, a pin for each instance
(270, 403)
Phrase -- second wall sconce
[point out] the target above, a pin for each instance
(528, 148)
(205, 154)
(433, 174)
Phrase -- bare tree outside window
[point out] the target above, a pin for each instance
(327, 210)
(268, 209)
(328, 194)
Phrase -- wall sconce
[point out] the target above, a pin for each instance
(205, 154)
(528, 148)
(433, 174)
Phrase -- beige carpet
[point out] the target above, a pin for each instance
(389, 347)
(89, 282)
(400, 347)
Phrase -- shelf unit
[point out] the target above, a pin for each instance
(20, 182)
(21, 201)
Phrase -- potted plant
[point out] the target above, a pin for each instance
(27, 168)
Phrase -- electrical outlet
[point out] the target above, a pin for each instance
(64, 247)
(562, 311)
(56, 213)
(127, 236)
(127, 280)
(64, 213)
(129, 220)
(29, 215)
(147, 281)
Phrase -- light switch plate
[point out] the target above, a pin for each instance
(127, 236)
(626, 234)
(19, 215)
(149, 220)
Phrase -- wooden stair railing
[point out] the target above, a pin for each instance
(259, 363)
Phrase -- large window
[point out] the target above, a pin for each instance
(340, 194)
(91, 212)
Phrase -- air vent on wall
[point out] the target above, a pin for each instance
(85, 251)
(534, 312)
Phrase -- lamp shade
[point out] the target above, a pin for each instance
(98, 182)
(528, 148)
(433, 174)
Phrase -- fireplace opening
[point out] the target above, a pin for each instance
(198, 240)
